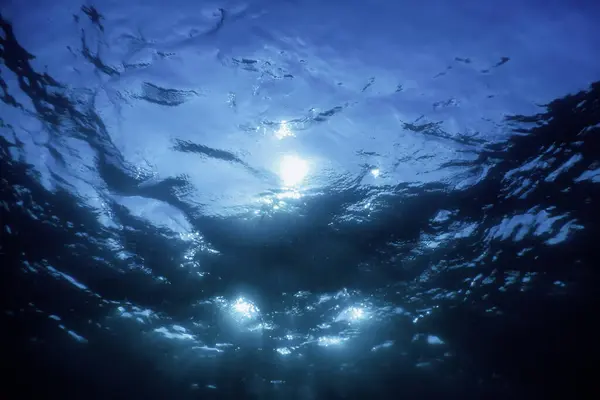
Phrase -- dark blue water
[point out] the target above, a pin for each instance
(299, 199)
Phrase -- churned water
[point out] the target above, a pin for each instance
(299, 199)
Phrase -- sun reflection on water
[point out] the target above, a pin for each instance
(284, 131)
(353, 314)
(327, 341)
(292, 170)
(245, 308)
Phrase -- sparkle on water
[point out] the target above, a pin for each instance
(245, 308)
(356, 313)
(352, 314)
(327, 341)
(283, 131)
(292, 194)
(284, 351)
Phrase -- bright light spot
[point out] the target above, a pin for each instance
(244, 308)
(283, 131)
(289, 195)
(77, 337)
(356, 313)
(375, 172)
(384, 345)
(206, 348)
(323, 298)
(284, 351)
(180, 333)
(352, 314)
(292, 170)
(431, 339)
(330, 340)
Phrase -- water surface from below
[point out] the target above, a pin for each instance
(298, 199)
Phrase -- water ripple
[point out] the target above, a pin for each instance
(299, 202)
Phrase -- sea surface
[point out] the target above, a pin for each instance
(299, 199)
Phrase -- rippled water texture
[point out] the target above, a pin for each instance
(299, 199)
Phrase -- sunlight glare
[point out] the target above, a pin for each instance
(292, 170)
(353, 314)
(245, 308)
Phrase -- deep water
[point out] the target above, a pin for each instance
(299, 199)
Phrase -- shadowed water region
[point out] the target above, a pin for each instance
(283, 200)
